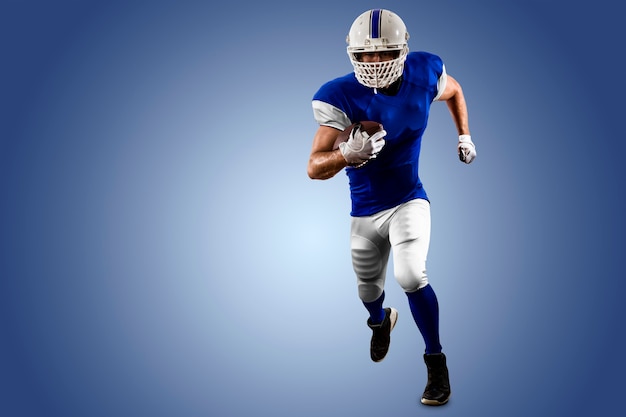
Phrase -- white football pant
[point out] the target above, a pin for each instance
(405, 229)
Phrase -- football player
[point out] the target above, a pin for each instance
(390, 211)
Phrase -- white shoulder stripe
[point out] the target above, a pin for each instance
(441, 83)
(328, 115)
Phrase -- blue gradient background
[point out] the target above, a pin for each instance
(163, 253)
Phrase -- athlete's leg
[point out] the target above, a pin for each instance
(375, 309)
(370, 255)
(425, 310)
(409, 233)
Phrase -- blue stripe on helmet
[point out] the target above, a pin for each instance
(375, 23)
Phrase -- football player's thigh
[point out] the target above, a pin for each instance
(370, 254)
(411, 222)
(409, 234)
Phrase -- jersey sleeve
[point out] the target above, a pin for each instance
(328, 115)
(335, 104)
(441, 83)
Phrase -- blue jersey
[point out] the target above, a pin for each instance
(392, 178)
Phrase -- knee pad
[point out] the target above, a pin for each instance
(369, 290)
(370, 266)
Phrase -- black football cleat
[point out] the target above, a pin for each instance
(381, 334)
(437, 391)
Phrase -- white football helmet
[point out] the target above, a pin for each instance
(378, 30)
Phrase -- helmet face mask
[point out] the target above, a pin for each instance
(381, 32)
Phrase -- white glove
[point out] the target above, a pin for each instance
(466, 149)
(361, 147)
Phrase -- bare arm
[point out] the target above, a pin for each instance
(324, 162)
(454, 98)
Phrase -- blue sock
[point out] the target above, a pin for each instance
(375, 308)
(425, 310)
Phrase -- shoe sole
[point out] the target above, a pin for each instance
(434, 402)
(393, 318)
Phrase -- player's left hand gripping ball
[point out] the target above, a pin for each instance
(466, 149)
(361, 142)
